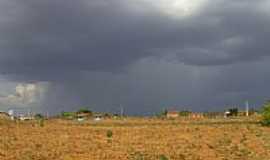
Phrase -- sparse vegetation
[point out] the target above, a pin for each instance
(163, 157)
(137, 156)
(39, 116)
(84, 110)
(135, 139)
(41, 122)
(233, 111)
(184, 113)
(266, 114)
(109, 136)
(68, 115)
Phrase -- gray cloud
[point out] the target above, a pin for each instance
(91, 50)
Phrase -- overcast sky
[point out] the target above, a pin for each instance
(144, 55)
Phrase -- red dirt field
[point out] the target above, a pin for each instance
(135, 139)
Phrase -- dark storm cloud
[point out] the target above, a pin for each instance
(62, 40)
(102, 35)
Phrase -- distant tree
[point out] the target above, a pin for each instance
(266, 113)
(116, 115)
(40, 119)
(68, 115)
(84, 110)
(162, 114)
(39, 116)
(184, 113)
(233, 111)
(108, 115)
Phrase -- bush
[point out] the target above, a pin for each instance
(162, 114)
(184, 113)
(84, 110)
(40, 119)
(266, 114)
(39, 116)
(109, 134)
(41, 122)
(163, 157)
(233, 111)
(68, 115)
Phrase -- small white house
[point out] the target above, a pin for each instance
(26, 118)
(226, 114)
(98, 117)
(80, 119)
(11, 114)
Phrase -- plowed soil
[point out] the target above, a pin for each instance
(135, 139)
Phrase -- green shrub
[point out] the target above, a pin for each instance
(162, 114)
(163, 157)
(40, 122)
(233, 111)
(68, 115)
(266, 114)
(184, 113)
(109, 134)
(84, 110)
(39, 116)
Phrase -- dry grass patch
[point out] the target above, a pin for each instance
(134, 139)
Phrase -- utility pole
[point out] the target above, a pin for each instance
(247, 108)
(28, 112)
(121, 111)
(47, 114)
